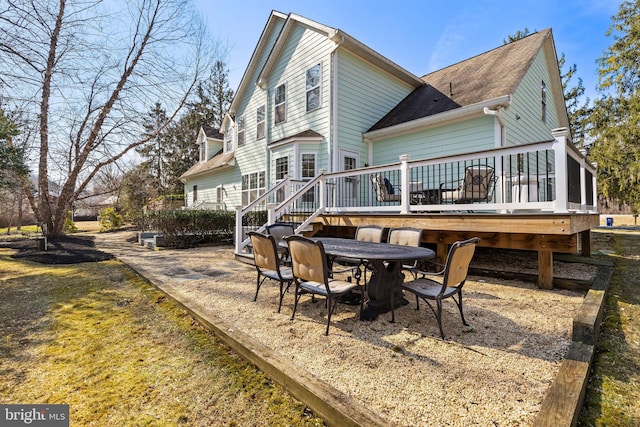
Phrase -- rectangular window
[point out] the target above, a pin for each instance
(260, 116)
(253, 186)
(313, 87)
(280, 104)
(543, 97)
(240, 131)
(282, 168)
(195, 193)
(308, 165)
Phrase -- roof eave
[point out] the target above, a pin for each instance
(438, 119)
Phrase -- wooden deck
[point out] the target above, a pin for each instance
(544, 233)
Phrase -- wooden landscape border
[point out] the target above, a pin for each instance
(561, 406)
(563, 402)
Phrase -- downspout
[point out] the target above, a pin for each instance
(499, 142)
(332, 147)
(496, 113)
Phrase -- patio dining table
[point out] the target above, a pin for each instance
(385, 261)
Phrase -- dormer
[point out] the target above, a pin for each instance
(228, 130)
(210, 142)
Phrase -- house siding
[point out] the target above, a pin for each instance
(303, 49)
(207, 184)
(526, 104)
(461, 137)
(365, 94)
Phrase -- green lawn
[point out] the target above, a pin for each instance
(99, 338)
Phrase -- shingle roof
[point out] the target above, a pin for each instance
(309, 133)
(216, 161)
(487, 76)
(212, 132)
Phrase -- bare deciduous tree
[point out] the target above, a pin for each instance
(89, 70)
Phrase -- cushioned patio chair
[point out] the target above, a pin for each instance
(279, 231)
(364, 233)
(406, 236)
(268, 265)
(453, 276)
(476, 186)
(311, 275)
(385, 192)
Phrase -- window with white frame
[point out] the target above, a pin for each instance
(282, 168)
(253, 186)
(260, 125)
(280, 104)
(314, 75)
(543, 98)
(308, 165)
(240, 123)
(307, 172)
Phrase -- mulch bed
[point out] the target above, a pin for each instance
(60, 250)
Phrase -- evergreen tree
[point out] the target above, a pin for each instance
(154, 151)
(615, 121)
(12, 165)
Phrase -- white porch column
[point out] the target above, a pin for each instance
(271, 212)
(562, 184)
(323, 191)
(239, 234)
(405, 196)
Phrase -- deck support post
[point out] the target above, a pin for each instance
(545, 269)
(585, 240)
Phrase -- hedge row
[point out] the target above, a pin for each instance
(187, 228)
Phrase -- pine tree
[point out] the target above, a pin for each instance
(615, 121)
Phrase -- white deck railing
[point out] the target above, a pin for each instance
(550, 176)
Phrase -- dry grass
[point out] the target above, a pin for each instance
(99, 338)
(613, 394)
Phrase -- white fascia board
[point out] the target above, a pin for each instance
(227, 119)
(438, 119)
(303, 140)
(292, 19)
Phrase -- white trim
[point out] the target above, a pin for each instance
(439, 119)
(300, 140)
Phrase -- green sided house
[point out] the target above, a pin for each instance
(314, 98)
(325, 132)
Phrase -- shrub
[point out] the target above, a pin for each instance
(69, 226)
(187, 228)
(110, 219)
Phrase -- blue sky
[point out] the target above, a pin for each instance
(423, 36)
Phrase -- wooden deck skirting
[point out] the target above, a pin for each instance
(544, 233)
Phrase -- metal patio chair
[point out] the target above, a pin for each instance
(311, 275)
(268, 264)
(453, 276)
